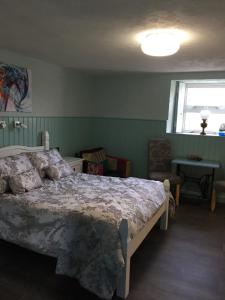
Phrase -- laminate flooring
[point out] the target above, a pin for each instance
(185, 263)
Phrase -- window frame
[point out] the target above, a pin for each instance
(178, 109)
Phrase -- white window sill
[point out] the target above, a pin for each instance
(195, 134)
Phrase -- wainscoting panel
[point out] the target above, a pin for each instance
(122, 137)
(70, 134)
(129, 138)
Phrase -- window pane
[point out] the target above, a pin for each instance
(214, 122)
(192, 122)
(207, 96)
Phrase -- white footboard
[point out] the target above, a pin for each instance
(130, 246)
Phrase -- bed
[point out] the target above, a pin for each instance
(91, 224)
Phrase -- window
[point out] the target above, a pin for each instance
(188, 98)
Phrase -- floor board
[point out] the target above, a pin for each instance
(185, 263)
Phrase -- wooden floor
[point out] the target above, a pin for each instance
(185, 263)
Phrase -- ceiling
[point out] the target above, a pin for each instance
(102, 34)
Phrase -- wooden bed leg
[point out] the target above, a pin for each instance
(177, 194)
(124, 282)
(164, 217)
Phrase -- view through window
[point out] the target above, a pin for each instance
(193, 97)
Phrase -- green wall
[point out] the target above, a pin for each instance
(122, 137)
(129, 138)
(69, 133)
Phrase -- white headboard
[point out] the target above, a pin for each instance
(17, 149)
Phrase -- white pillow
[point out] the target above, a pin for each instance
(59, 170)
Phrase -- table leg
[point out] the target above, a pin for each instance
(177, 194)
(211, 193)
(213, 200)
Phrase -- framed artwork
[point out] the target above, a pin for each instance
(15, 89)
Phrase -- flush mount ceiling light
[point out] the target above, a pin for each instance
(161, 43)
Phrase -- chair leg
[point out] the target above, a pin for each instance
(213, 200)
(177, 197)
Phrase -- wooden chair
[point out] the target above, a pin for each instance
(219, 186)
(97, 162)
(160, 167)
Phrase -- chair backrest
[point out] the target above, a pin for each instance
(95, 155)
(159, 155)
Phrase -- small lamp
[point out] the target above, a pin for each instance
(2, 124)
(204, 116)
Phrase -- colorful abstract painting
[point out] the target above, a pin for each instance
(15, 89)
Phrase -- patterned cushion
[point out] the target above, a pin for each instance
(160, 165)
(161, 176)
(12, 165)
(39, 161)
(95, 155)
(42, 160)
(54, 156)
(93, 168)
(59, 170)
(3, 185)
(159, 155)
(25, 181)
(15, 164)
(117, 166)
(5, 167)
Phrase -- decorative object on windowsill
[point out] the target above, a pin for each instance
(2, 124)
(18, 124)
(222, 130)
(204, 116)
(194, 157)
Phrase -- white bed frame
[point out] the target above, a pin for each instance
(17, 149)
(128, 246)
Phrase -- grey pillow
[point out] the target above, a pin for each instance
(43, 159)
(59, 170)
(24, 182)
(15, 164)
(12, 165)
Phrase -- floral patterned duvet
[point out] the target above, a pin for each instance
(76, 220)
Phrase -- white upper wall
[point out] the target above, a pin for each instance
(131, 96)
(138, 96)
(56, 91)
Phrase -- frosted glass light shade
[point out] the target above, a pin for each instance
(204, 114)
(160, 43)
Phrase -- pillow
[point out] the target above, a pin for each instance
(15, 164)
(54, 156)
(59, 170)
(93, 168)
(12, 165)
(3, 185)
(39, 161)
(5, 167)
(43, 159)
(24, 182)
